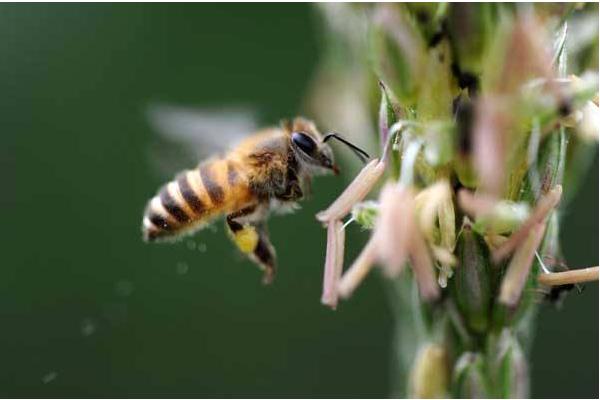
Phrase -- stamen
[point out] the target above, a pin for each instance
(355, 192)
(443, 256)
(429, 203)
(398, 237)
(358, 271)
(491, 121)
(569, 277)
(475, 205)
(334, 261)
(435, 213)
(423, 267)
(520, 265)
(394, 227)
(541, 211)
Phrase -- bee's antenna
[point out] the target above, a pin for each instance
(360, 153)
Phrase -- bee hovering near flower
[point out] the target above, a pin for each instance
(269, 170)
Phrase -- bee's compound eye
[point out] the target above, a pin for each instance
(304, 142)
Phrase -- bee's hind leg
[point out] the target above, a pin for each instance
(249, 233)
(264, 254)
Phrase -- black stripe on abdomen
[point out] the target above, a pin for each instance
(215, 192)
(160, 222)
(189, 195)
(172, 207)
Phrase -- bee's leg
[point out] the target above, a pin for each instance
(242, 233)
(307, 184)
(292, 192)
(264, 255)
(250, 235)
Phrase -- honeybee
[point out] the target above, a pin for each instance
(269, 170)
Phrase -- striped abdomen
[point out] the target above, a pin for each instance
(195, 196)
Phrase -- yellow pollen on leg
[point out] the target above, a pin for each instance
(246, 239)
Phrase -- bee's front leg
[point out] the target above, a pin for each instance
(252, 238)
(293, 192)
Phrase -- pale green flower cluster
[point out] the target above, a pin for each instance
(485, 114)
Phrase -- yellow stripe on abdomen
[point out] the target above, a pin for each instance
(175, 208)
(195, 196)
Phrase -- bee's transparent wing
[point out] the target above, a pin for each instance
(187, 135)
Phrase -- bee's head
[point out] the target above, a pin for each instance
(312, 150)
(313, 153)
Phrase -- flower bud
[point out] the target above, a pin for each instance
(440, 141)
(469, 377)
(548, 170)
(510, 368)
(471, 283)
(465, 172)
(429, 375)
(430, 17)
(399, 50)
(470, 25)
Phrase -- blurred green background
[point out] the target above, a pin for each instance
(88, 309)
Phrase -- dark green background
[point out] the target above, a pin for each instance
(73, 84)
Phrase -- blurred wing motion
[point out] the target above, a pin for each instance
(187, 135)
